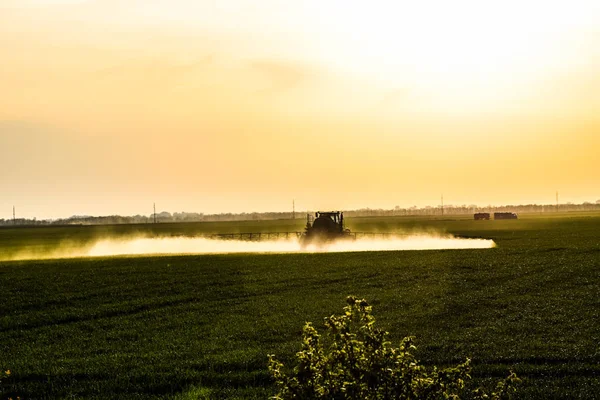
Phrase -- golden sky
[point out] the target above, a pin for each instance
(107, 106)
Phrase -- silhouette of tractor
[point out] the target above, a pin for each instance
(325, 227)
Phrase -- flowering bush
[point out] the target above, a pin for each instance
(356, 361)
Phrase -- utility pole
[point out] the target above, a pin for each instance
(294, 209)
(557, 201)
(14, 217)
(154, 213)
(442, 204)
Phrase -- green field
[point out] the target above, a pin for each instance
(152, 327)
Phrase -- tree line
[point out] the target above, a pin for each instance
(167, 217)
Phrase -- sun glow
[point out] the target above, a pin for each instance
(456, 55)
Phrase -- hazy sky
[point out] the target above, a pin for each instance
(107, 106)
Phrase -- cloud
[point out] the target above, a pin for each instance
(156, 72)
(281, 75)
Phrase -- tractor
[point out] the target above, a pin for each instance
(325, 227)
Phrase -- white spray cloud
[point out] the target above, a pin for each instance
(197, 245)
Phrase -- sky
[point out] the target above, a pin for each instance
(108, 106)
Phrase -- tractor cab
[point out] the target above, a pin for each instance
(332, 221)
(325, 226)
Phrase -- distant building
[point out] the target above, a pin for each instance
(479, 216)
(505, 215)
